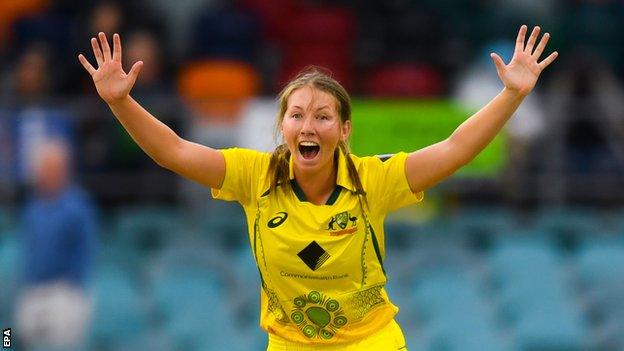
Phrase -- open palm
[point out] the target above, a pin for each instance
(111, 82)
(522, 72)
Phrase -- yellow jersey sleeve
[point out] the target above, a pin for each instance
(244, 170)
(387, 186)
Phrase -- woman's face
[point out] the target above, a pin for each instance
(312, 128)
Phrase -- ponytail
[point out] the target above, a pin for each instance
(279, 171)
(353, 173)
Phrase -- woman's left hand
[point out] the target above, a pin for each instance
(521, 74)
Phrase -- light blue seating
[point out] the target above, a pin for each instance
(554, 328)
(7, 220)
(120, 308)
(534, 294)
(484, 220)
(600, 268)
(456, 315)
(10, 270)
(194, 310)
(225, 224)
(569, 221)
(600, 263)
(147, 229)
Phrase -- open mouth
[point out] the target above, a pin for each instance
(309, 149)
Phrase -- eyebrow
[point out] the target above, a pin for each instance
(318, 109)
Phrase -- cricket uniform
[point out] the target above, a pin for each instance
(321, 266)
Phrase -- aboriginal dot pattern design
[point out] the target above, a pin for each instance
(363, 301)
(317, 315)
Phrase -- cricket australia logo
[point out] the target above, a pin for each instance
(342, 223)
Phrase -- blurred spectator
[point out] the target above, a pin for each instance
(178, 16)
(152, 89)
(32, 116)
(477, 85)
(592, 25)
(58, 233)
(398, 32)
(51, 26)
(143, 45)
(586, 125)
(110, 16)
(11, 10)
(30, 81)
(225, 31)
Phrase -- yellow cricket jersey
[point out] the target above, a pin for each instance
(320, 265)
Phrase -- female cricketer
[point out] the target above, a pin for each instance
(315, 211)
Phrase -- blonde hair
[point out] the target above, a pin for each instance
(279, 172)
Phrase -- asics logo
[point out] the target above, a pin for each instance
(277, 220)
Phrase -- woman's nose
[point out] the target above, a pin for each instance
(307, 127)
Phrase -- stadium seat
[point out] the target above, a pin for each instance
(484, 220)
(552, 330)
(120, 312)
(147, 229)
(600, 263)
(225, 32)
(403, 80)
(569, 221)
(329, 25)
(10, 268)
(324, 37)
(224, 223)
(6, 220)
(337, 62)
(513, 264)
(217, 89)
(188, 300)
(456, 315)
(275, 15)
(535, 299)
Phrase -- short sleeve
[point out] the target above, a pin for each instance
(244, 169)
(388, 189)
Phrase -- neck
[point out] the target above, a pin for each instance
(317, 185)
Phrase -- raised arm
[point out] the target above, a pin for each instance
(194, 161)
(428, 166)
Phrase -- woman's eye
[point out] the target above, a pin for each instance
(323, 117)
(297, 115)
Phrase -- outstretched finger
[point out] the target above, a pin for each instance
(498, 62)
(520, 39)
(532, 40)
(116, 48)
(97, 52)
(86, 64)
(547, 61)
(134, 71)
(105, 47)
(540, 47)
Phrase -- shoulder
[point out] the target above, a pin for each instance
(241, 161)
(377, 162)
(236, 153)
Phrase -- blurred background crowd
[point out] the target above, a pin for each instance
(101, 249)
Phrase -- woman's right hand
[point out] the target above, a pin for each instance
(111, 82)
